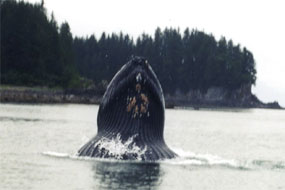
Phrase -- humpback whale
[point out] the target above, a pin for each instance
(131, 112)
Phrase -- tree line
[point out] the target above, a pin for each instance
(35, 51)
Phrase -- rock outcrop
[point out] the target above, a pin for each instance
(219, 97)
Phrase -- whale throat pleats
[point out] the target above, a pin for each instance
(131, 117)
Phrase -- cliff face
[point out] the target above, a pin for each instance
(218, 97)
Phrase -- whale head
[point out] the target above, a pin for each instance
(131, 115)
(133, 103)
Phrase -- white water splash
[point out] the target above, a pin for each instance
(56, 154)
(117, 148)
(191, 158)
(184, 159)
(69, 156)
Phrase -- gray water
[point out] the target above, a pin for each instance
(219, 149)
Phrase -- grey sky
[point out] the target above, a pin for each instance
(255, 24)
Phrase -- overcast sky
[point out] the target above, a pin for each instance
(255, 24)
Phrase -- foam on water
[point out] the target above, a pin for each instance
(203, 160)
(185, 158)
(114, 147)
(56, 154)
(117, 149)
(188, 159)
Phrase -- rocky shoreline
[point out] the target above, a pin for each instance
(213, 98)
(219, 97)
(44, 95)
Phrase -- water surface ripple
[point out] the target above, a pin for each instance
(219, 149)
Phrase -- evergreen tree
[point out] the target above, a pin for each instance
(35, 51)
(32, 50)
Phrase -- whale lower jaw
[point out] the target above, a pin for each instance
(129, 149)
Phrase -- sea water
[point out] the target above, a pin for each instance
(218, 149)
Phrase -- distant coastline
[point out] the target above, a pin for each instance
(214, 98)
(194, 68)
(11, 94)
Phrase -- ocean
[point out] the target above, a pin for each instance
(218, 149)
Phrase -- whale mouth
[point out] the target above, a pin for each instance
(135, 77)
(133, 103)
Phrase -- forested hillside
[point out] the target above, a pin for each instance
(35, 51)
(192, 60)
